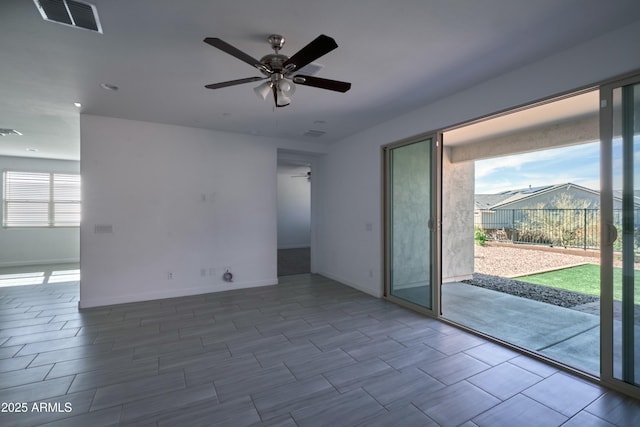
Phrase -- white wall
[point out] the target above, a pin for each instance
(351, 194)
(181, 200)
(31, 246)
(347, 225)
(294, 207)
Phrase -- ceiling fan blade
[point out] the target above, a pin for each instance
(314, 50)
(234, 51)
(336, 85)
(234, 82)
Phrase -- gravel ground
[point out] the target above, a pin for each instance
(544, 294)
(507, 262)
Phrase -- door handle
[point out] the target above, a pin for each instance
(612, 234)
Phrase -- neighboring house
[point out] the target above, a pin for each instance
(563, 214)
(497, 210)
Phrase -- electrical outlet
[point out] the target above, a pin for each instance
(169, 275)
(203, 272)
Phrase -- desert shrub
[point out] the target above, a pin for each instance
(480, 236)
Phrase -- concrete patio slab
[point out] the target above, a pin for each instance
(569, 336)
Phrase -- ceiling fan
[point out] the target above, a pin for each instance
(279, 70)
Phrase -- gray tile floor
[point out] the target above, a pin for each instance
(308, 352)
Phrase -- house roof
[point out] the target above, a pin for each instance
(505, 198)
(617, 195)
(488, 201)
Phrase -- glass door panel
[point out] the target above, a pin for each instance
(620, 235)
(625, 147)
(410, 223)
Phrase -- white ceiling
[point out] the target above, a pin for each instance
(398, 55)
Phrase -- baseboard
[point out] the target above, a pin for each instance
(351, 284)
(40, 262)
(173, 293)
(298, 246)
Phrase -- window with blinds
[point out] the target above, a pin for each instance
(35, 199)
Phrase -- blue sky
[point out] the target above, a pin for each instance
(579, 164)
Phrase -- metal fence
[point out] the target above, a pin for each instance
(571, 228)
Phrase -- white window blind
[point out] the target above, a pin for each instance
(35, 199)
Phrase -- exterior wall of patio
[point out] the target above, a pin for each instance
(457, 218)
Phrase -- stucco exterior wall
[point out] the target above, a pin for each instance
(457, 218)
(579, 131)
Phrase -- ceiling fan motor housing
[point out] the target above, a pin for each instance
(273, 61)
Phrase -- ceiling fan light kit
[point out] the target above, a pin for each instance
(263, 90)
(279, 70)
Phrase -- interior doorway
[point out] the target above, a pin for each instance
(294, 215)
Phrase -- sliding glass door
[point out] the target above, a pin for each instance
(620, 134)
(411, 223)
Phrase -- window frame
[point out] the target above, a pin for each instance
(51, 201)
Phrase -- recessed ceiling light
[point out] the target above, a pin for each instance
(314, 133)
(109, 86)
(32, 150)
(77, 104)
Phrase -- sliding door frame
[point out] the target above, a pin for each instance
(607, 231)
(435, 220)
(608, 236)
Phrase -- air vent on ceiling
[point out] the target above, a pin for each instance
(314, 133)
(7, 132)
(70, 12)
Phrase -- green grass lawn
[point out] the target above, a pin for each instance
(584, 279)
